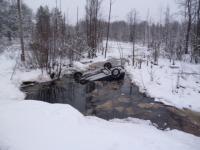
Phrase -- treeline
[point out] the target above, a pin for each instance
(53, 39)
(177, 38)
(9, 24)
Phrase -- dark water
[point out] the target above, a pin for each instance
(122, 99)
(64, 91)
(117, 99)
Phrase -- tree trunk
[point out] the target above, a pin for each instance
(187, 37)
(108, 28)
(21, 29)
(134, 37)
(189, 25)
(198, 27)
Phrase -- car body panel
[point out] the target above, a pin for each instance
(103, 74)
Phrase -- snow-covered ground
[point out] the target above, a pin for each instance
(11, 78)
(161, 82)
(34, 125)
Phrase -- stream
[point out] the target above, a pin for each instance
(117, 99)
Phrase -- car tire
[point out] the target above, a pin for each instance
(108, 65)
(115, 73)
(77, 76)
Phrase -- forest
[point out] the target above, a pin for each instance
(49, 38)
(103, 75)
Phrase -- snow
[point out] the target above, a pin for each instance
(160, 81)
(164, 83)
(34, 125)
(9, 59)
(30, 125)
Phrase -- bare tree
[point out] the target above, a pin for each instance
(198, 27)
(21, 29)
(167, 28)
(148, 28)
(187, 4)
(92, 25)
(108, 28)
(49, 41)
(196, 32)
(189, 16)
(132, 22)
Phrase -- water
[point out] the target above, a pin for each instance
(117, 99)
(124, 100)
(64, 91)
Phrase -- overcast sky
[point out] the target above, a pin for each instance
(119, 10)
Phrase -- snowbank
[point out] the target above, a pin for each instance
(160, 82)
(10, 80)
(33, 125)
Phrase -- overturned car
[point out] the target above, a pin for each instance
(107, 73)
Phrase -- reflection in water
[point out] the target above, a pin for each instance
(64, 91)
(119, 99)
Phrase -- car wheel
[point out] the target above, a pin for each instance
(77, 76)
(108, 65)
(115, 73)
(83, 81)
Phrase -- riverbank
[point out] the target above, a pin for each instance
(37, 125)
